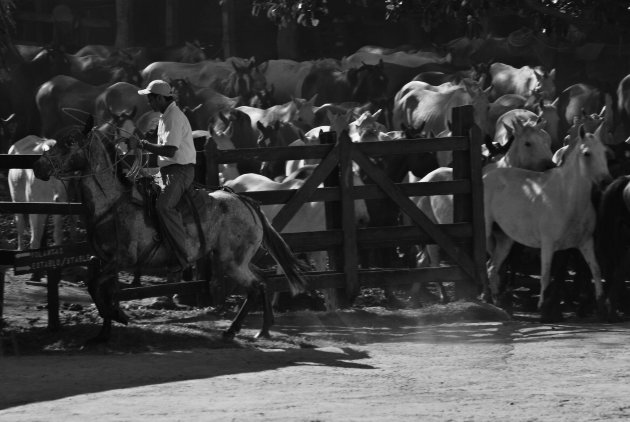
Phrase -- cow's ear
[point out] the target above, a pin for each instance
(552, 74)
(313, 99)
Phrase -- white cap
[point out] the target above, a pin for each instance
(157, 86)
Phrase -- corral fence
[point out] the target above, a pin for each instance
(463, 240)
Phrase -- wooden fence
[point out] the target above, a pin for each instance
(463, 241)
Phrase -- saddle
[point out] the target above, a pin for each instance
(188, 206)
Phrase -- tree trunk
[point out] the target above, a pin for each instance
(123, 18)
(287, 42)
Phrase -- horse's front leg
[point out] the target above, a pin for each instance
(255, 291)
(500, 246)
(103, 288)
(237, 323)
(268, 318)
(549, 300)
(588, 252)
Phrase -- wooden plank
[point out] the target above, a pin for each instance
(414, 213)
(303, 194)
(364, 192)
(372, 236)
(412, 146)
(23, 161)
(61, 208)
(373, 149)
(414, 189)
(373, 278)
(274, 153)
(166, 289)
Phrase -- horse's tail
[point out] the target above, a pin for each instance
(274, 243)
(612, 211)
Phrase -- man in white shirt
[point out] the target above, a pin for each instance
(176, 158)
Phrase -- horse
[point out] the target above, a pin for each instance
(230, 230)
(612, 241)
(25, 188)
(528, 147)
(551, 211)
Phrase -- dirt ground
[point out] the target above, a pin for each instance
(461, 362)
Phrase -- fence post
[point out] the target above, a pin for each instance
(212, 166)
(2, 271)
(54, 276)
(479, 251)
(348, 219)
(335, 298)
(463, 121)
(200, 167)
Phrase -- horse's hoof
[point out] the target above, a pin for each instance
(121, 317)
(228, 336)
(263, 334)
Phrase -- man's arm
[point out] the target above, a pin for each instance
(163, 150)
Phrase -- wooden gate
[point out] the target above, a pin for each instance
(463, 241)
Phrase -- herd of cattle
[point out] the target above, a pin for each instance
(378, 94)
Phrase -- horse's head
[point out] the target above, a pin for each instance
(530, 147)
(262, 99)
(368, 82)
(246, 80)
(126, 72)
(52, 60)
(278, 134)
(184, 93)
(479, 98)
(368, 127)
(545, 84)
(304, 114)
(66, 156)
(593, 155)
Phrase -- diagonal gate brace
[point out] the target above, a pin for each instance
(418, 217)
(302, 195)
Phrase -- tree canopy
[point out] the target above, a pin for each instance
(547, 16)
(7, 26)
